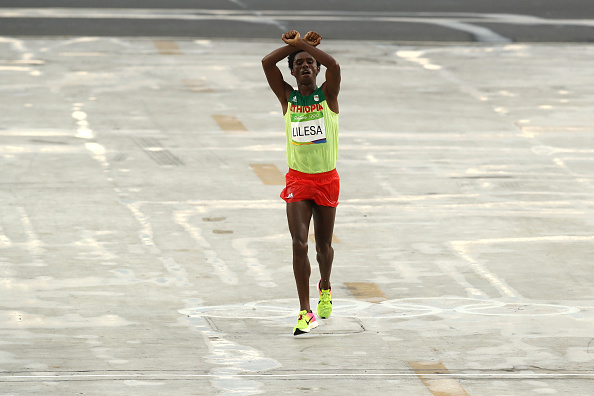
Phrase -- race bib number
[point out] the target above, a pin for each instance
(308, 128)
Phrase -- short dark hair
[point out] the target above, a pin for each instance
(291, 59)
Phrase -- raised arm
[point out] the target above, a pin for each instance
(279, 86)
(331, 86)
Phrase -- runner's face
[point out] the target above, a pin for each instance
(305, 68)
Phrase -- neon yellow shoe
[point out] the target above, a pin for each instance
(305, 323)
(325, 302)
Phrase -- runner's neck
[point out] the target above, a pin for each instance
(306, 90)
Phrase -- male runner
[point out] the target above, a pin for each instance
(312, 183)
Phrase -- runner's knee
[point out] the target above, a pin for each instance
(324, 249)
(299, 247)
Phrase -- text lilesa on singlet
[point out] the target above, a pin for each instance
(307, 124)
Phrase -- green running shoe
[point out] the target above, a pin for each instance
(305, 323)
(325, 302)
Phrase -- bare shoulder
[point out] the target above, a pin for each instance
(331, 97)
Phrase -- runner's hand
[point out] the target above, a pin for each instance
(292, 37)
(312, 38)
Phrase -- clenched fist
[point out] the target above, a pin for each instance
(292, 37)
(312, 38)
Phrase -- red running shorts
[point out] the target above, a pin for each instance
(322, 188)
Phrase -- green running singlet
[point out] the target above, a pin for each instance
(312, 133)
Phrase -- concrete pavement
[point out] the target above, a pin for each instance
(405, 20)
(145, 249)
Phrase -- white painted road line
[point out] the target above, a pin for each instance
(464, 22)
